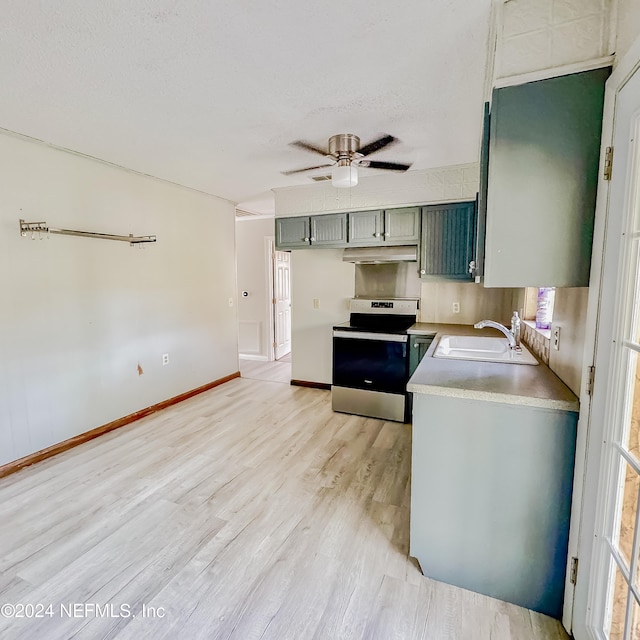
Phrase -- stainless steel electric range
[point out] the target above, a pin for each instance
(371, 359)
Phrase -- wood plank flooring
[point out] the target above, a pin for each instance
(275, 371)
(251, 511)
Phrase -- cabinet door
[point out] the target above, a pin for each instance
(329, 229)
(482, 194)
(402, 225)
(543, 174)
(418, 346)
(365, 227)
(292, 232)
(448, 240)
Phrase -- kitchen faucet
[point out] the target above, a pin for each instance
(513, 343)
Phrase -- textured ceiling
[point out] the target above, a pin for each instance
(208, 93)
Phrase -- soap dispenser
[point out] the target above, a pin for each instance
(515, 328)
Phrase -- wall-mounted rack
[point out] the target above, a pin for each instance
(41, 227)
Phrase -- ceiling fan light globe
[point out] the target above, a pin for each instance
(344, 177)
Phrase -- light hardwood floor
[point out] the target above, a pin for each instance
(275, 371)
(249, 511)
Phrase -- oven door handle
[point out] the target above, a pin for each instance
(364, 335)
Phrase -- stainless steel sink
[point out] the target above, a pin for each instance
(483, 348)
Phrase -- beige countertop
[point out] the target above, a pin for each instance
(533, 386)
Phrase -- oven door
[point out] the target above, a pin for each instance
(371, 361)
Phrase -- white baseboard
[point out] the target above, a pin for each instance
(251, 356)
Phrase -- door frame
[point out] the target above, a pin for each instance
(269, 255)
(589, 446)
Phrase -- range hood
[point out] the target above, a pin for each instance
(380, 255)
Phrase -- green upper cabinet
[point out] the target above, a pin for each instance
(481, 224)
(292, 232)
(329, 229)
(448, 244)
(366, 228)
(542, 176)
(402, 226)
(356, 228)
(308, 231)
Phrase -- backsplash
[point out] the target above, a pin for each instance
(475, 303)
(537, 343)
(569, 316)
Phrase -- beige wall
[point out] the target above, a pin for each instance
(569, 313)
(252, 269)
(317, 275)
(628, 25)
(476, 303)
(79, 315)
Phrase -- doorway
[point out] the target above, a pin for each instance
(281, 299)
(611, 586)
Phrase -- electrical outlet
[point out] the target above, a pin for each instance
(165, 359)
(556, 338)
(456, 307)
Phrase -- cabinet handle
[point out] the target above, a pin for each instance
(376, 235)
(472, 266)
(422, 271)
(306, 239)
(312, 239)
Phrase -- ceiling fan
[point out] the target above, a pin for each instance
(346, 155)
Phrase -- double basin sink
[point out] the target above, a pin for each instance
(482, 348)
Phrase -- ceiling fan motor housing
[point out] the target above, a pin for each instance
(344, 145)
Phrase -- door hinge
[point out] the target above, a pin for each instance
(573, 575)
(591, 374)
(608, 163)
(273, 300)
(275, 344)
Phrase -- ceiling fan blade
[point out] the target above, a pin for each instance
(376, 145)
(389, 166)
(290, 173)
(309, 147)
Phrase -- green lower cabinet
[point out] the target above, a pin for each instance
(418, 346)
(447, 249)
(491, 488)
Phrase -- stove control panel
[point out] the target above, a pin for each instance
(401, 307)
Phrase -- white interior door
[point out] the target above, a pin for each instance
(282, 302)
(613, 587)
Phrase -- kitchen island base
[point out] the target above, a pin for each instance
(491, 497)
